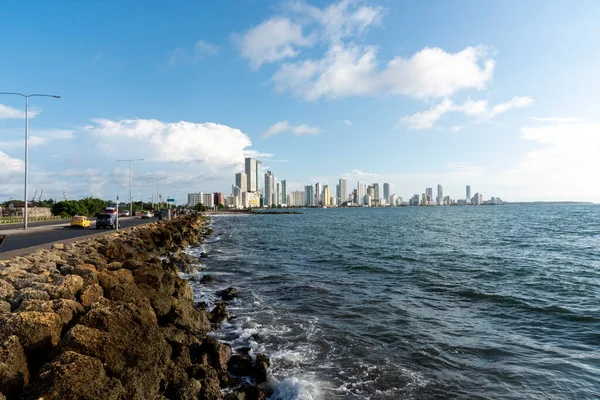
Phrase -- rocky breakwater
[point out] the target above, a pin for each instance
(110, 318)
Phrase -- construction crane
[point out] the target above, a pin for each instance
(41, 194)
(35, 194)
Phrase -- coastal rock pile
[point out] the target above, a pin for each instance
(110, 318)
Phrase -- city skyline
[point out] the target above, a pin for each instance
(276, 194)
(410, 94)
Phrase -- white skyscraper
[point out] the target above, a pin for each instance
(428, 195)
(251, 174)
(361, 188)
(343, 190)
(440, 195)
(318, 190)
(241, 181)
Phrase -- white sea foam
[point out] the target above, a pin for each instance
(294, 388)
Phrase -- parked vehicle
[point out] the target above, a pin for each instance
(124, 213)
(147, 214)
(106, 220)
(80, 222)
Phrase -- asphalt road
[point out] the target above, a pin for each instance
(35, 238)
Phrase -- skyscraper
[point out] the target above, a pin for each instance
(309, 195)
(440, 195)
(429, 194)
(259, 181)
(376, 199)
(468, 193)
(361, 188)
(269, 197)
(318, 189)
(284, 192)
(386, 192)
(343, 190)
(241, 181)
(277, 193)
(326, 196)
(251, 174)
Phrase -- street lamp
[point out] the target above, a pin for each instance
(157, 179)
(130, 183)
(27, 96)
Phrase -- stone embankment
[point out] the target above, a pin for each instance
(110, 318)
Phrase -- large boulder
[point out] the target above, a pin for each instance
(66, 309)
(14, 373)
(75, 376)
(37, 331)
(126, 338)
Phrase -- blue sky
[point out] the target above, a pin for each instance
(503, 96)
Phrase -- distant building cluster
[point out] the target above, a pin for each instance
(254, 189)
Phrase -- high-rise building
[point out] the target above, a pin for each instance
(386, 192)
(477, 199)
(207, 199)
(309, 195)
(326, 196)
(284, 192)
(251, 174)
(440, 195)
(468, 192)
(429, 194)
(277, 193)
(259, 181)
(343, 195)
(219, 199)
(371, 191)
(318, 190)
(355, 197)
(361, 188)
(193, 199)
(269, 197)
(376, 194)
(241, 181)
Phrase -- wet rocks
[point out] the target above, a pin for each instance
(111, 318)
(228, 294)
(206, 279)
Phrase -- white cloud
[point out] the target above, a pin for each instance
(284, 126)
(306, 130)
(273, 40)
(342, 19)
(7, 112)
(426, 119)
(277, 127)
(347, 122)
(201, 49)
(474, 108)
(561, 120)
(215, 145)
(457, 128)
(352, 70)
(37, 137)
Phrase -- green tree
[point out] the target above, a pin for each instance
(200, 207)
(93, 205)
(220, 206)
(69, 208)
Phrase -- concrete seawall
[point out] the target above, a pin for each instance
(110, 318)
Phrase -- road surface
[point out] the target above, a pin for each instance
(55, 234)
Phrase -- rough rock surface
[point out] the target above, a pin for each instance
(110, 318)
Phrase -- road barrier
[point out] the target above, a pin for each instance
(15, 220)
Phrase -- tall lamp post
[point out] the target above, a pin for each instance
(130, 183)
(27, 96)
(157, 199)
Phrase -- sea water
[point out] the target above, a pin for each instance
(489, 302)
